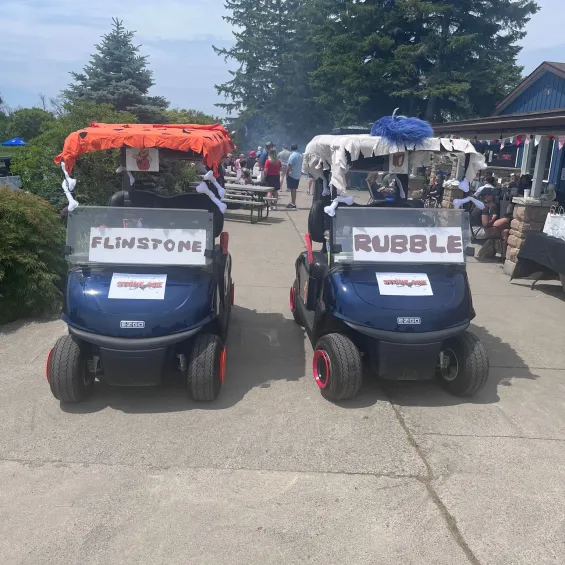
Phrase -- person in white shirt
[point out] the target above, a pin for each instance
(489, 186)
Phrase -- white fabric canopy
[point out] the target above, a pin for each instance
(329, 152)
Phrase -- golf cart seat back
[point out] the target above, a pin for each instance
(189, 201)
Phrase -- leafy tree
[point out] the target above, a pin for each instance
(118, 75)
(95, 172)
(26, 123)
(31, 258)
(180, 116)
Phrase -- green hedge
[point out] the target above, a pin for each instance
(32, 263)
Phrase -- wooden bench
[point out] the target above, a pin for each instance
(245, 200)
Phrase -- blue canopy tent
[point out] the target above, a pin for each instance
(14, 142)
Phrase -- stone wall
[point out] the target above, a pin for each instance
(528, 217)
(450, 194)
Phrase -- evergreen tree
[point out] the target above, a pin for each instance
(270, 88)
(466, 58)
(440, 59)
(118, 75)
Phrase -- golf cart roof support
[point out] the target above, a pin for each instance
(331, 152)
(210, 141)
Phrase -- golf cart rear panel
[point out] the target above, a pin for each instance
(142, 280)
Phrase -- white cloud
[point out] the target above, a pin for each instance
(45, 39)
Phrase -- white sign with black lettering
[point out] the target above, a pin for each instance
(408, 245)
(144, 246)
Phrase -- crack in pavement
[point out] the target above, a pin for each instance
(148, 466)
(449, 519)
(478, 436)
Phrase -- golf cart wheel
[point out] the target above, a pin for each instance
(337, 367)
(67, 372)
(463, 368)
(206, 368)
(293, 299)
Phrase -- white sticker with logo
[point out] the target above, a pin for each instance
(138, 287)
(404, 284)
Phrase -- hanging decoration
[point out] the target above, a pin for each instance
(69, 185)
(209, 177)
(458, 203)
(330, 210)
(400, 129)
(203, 188)
(121, 169)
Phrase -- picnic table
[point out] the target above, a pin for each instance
(255, 197)
(234, 179)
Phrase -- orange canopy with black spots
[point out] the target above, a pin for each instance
(213, 142)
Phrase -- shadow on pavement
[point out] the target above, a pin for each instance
(430, 393)
(13, 327)
(371, 392)
(262, 348)
(555, 291)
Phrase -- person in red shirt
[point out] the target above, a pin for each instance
(272, 175)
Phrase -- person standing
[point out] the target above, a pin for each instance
(252, 160)
(264, 155)
(283, 157)
(294, 174)
(272, 174)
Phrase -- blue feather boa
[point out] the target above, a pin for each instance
(400, 129)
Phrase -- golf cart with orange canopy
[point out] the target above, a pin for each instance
(149, 288)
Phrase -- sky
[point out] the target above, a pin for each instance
(43, 40)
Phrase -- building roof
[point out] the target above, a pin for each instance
(547, 66)
(499, 125)
(551, 122)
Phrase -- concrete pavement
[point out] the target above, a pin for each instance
(271, 472)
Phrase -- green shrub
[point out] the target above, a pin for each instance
(32, 263)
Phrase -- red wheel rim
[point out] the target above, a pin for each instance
(321, 368)
(222, 369)
(232, 294)
(292, 298)
(48, 365)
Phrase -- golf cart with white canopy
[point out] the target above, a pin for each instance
(390, 283)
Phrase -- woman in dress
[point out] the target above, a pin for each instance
(272, 176)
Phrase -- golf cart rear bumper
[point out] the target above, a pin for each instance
(407, 356)
(133, 344)
(412, 338)
(132, 362)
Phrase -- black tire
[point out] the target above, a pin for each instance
(295, 314)
(472, 369)
(346, 374)
(203, 379)
(68, 376)
(317, 222)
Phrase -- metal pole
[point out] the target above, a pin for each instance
(125, 178)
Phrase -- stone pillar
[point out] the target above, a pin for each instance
(529, 215)
(450, 194)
